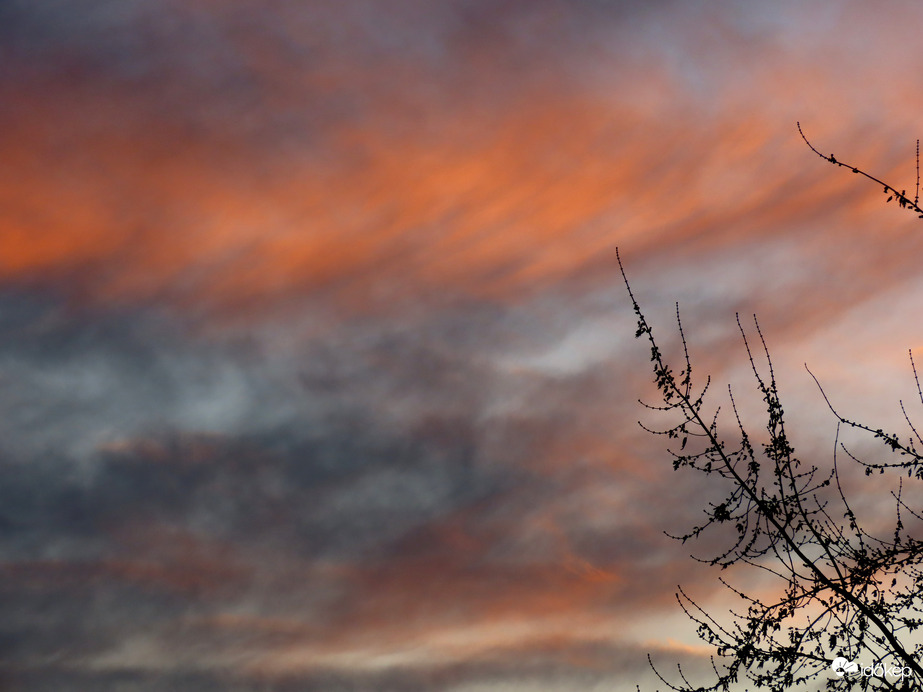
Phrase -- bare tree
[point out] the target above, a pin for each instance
(849, 596)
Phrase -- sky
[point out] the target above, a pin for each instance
(317, 370)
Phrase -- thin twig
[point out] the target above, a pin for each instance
(916, 197)
(902, 199)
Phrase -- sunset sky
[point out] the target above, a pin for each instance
(317, 371)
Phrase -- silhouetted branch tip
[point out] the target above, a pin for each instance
(903, 201)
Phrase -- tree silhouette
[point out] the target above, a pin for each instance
(847, 593)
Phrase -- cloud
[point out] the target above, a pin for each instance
(315, 362)
(466, 153)
(401, 473)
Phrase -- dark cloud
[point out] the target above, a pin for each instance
(382, 459)
(550, 667)
(401, 470)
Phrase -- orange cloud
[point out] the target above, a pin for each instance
(466, 196)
